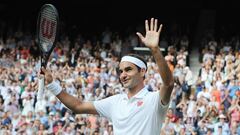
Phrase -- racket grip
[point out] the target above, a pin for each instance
(40, 88)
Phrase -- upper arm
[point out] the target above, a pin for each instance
(165, 93)
(105, 107)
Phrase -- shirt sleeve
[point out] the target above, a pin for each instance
(104, 106)
(160, 102)
(162, 109)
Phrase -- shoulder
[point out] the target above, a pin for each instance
(153, 96)
(114, 97)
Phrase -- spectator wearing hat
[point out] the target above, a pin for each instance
(221, 127)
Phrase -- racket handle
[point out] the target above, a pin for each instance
(40, 88)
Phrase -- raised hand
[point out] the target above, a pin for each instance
(152, 36)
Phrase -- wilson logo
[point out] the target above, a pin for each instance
(47, 27)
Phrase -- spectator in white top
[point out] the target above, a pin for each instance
(208, 55)
(230, 56)
(188, 76)
(221, 127)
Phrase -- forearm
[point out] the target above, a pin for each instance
(163, 68)
(70, 101)
(166, 75)
(75, 104)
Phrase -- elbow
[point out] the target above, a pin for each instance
(78, 109)
(166, 92)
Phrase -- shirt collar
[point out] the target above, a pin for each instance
(143, 92)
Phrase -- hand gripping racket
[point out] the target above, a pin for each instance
(47, 30)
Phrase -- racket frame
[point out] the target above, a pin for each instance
(45, 55)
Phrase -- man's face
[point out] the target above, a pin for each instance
(222, 120)
(130, 77)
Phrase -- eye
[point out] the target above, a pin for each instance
(128, 69)
(119, 71)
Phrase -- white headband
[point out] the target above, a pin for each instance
(135, 61)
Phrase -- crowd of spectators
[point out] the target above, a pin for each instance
(88, 70)
(213, 105)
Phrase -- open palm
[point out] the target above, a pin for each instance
(151, 38)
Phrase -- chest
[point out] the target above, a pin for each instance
(134, 109)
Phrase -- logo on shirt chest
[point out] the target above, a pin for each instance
(139, 103)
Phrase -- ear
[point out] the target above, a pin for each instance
(143, 71)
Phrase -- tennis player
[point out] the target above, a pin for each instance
(137, 112)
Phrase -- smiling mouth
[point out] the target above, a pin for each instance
(125, 81)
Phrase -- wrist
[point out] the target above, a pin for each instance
(154, 49)
(54, 87)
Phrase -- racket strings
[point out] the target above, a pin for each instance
(48, 28)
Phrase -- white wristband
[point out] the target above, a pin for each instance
(40, 92)
(54, 87)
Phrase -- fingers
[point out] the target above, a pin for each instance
(43, 70)
(140, 36)
(155, 24)
(151, 25)
(146, 25)
(160, 28)
(47, 75)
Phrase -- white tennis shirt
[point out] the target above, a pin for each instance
(143, 114)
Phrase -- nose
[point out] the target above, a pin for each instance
(123, 75)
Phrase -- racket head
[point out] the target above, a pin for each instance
(47, 31)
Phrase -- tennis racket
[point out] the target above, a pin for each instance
(47, 30)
